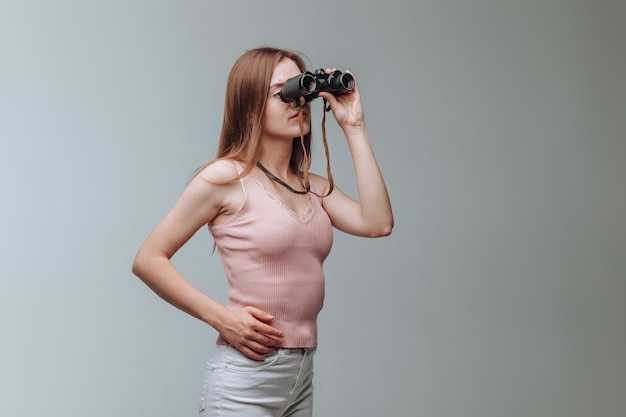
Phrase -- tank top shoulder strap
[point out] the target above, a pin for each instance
(317, 190)
(239, 169)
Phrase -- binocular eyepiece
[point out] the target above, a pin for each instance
(310, 84)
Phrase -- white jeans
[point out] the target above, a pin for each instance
(235, 385)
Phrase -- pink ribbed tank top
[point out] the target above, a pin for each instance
(273, 261)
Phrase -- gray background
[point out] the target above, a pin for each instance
(499, 126)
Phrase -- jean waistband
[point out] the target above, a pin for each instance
(297, 351)
(286, 351)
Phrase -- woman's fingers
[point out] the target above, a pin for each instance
(248, 330)
(261, 325)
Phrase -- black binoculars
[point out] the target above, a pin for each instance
(309, 84)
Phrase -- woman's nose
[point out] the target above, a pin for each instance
(300, 101)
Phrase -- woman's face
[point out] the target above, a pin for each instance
(281, 119)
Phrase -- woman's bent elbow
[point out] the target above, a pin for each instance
(137, 267)
(383, 230)
(386, 231)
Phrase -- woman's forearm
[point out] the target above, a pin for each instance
(158, 273)
(373, 195)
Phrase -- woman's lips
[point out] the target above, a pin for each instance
(295, 116)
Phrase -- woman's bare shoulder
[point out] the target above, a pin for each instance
(220, 171)
(320, 182)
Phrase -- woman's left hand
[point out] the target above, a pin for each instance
(346, 107)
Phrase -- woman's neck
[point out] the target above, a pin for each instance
(277, 160)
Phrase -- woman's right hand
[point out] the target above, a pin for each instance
(248, 330)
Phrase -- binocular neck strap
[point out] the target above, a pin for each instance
(307, 183)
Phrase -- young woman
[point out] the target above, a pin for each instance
(272, 223)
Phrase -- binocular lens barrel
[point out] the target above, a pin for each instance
(340, 81)
(298, 86)
(309, 85)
